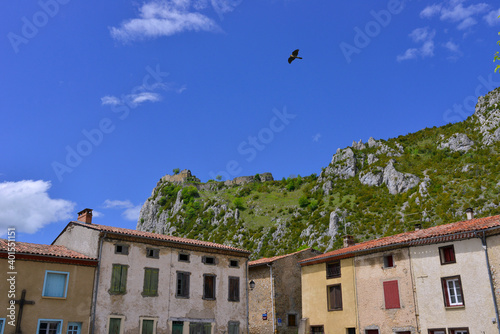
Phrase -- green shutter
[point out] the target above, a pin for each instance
(207, 328)
(150, 282)
(147, 326)
(154, 282)
(123, 279)
(177, 327)
(114, 325)
(115, 278)
(147, 281)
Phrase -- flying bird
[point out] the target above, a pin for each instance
(295, 54)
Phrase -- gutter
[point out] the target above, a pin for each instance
(248, 296)
(96, 285)
(485, 248)
(272, 295)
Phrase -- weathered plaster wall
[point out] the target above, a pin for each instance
(30, 276)
(80, 239)
(166, 307)
(478, 312)
(314, 297)
(494, 257)
(370, 276)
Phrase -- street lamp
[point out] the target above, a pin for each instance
(252, 284)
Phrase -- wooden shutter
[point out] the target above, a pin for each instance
(177, 327)
(123, 278)
(150, 281)
(391, 294)
(335, 296)
(147, 326)
(445, 292)
(234, 288)
(114, 326)
(115, 278)
(209, 287)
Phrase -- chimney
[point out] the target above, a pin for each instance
(348, 240)
(418, 227)
(85, 216)
(470, 213)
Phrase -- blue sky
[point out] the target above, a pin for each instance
(99, 99)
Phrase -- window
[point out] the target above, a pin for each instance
(452, 291)
(200, 328)
(119, 279)
(150, 282)
(371, 331)
(391, 294)
(437, 331)
(459, 331)
(351, 330)
(153, 253)
(317, 329)
(208, 286)
(177, 327)
(115, 325)
(233, 327)
(74, 328)
(334, 297)
(56, 284)
(148, 326)
(333, 269)
(121, 249)
(49, 326)
(388, 261)
(405, 332)
(234, 289)
(183, 257)
(292, 320)
(208, 260)
(234, 263)
(182, 284)
(447, 254)
(2, 325)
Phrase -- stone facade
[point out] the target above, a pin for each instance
(277, 293)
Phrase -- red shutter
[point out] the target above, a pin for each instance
(445, 292)
(391, 294)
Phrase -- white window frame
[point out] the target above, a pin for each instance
(141, 319)
(112, 316)
(455, 289)
(45, 283)
(59, 327)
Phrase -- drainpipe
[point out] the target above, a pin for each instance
(248, 297)
(96, 284)
(414, 292)
(272, 294)
(485, 248)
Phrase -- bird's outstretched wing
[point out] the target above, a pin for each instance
(290, 60)
(295, 53)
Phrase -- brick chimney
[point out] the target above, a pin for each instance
(348, 240)
(470, 213)
(418, 227)
(85, 216)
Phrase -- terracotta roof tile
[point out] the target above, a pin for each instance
(161, 237)
(47, 250)
(266, 260)
(441, 233)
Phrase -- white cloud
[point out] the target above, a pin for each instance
(111, 100)
(454, 11)
(163, 18)
(27, 205)
(453, 47)
(144, 97)
(492, 17)
(420, 35)
(131, 211)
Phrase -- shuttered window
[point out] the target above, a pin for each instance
(119, 279)
(452, 291)
(114, 325)
(55, 284)
(447, 254)
(147, 326)
(234, 289)
(333, 269)
(233, 327)
(182, 284)
(208, 286)
(334, 297)
(391, 294)
(150, 282)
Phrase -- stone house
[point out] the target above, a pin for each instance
(46, 289)
(275, 304)
(439, 280)
(153, 283)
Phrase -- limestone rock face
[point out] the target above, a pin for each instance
(457, 142)
(334, 224)
(343, 164)
(398, 182)
(488, 115)
(372, 178)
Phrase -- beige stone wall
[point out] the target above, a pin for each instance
(80, 239)
(494, 258)
(260, 300)
(166, 307)
(30, 276)
(314, 298)
(370, 277)
(478, 312)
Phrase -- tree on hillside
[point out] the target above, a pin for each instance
(176, 171)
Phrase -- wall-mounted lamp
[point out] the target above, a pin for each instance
(252, 284)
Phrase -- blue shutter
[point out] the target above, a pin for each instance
(55, 285)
